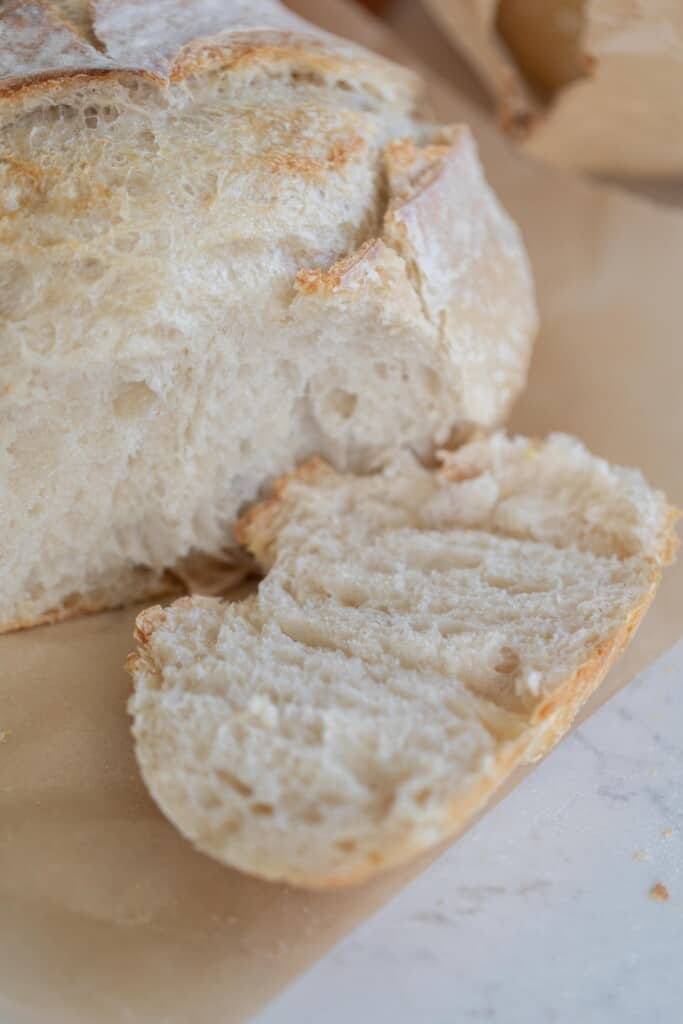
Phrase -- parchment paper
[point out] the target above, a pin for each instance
(106, 914)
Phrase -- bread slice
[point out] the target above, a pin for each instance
(227, 241)
(418, 633)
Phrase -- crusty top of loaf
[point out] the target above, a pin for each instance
(44, 44)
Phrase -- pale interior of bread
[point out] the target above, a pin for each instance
(177, 327)
(396, 659)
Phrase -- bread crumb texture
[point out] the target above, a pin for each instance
(417, 634)
(227, 241)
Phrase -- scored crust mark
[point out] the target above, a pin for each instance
(37, 43)
(348, 273)
(460, 256)
(166, 42)
(174, 38)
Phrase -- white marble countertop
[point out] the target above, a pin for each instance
(544, 911)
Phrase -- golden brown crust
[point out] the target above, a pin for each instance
(461, 812)
(84, 604)
(170, 52)
(258, 521)
(670, 540)
(327, 281)
(554, 716)
(147, 622)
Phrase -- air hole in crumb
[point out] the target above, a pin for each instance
(231, 780)
(231, 826)
(342, 402)
(518, 587)
(109, 114)
(147, 141)
(133, 400)
(91, 269)
(508, 661)
(127, 242)
(138, 183)
(350, 596)
(346, 845)
(57, 112)
(382, 370)
(210, 801)
(42, 339)
(448, 629)
(90, 117)
(312, 816)
(423, 796)
(309, 77)
(430, 380)
(262, 810)
(499, 582)
(15, 289)
(532, 588)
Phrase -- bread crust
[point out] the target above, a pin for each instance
(91, 604)
(184, 43)
(257, 524)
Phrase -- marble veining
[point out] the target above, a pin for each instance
(543, 912)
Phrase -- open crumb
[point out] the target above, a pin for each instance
(659, 892)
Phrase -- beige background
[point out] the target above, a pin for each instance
(105, 913)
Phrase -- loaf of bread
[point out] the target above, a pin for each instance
(417, 635)
(227, 241)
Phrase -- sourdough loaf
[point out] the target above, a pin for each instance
(418, 633)
(227, 241)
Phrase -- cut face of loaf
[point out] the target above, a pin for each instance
(227, 242)
(418, 634)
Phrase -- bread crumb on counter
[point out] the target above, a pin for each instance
(659, 892)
